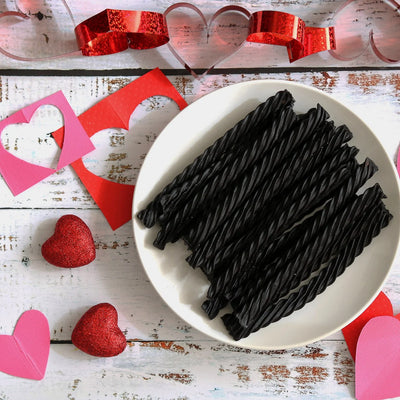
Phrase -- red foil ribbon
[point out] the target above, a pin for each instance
(112, 31)
(283, 29)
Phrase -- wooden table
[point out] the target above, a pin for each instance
(165, 357)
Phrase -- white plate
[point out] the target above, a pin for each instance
(184, 289)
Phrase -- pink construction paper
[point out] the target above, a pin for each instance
(25, 353)
(378, 359)
(20, 175)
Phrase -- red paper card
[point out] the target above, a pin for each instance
(380, 306)
(115, 199)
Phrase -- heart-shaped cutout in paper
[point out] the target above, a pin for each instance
(71, 245)
(115, 199)
(21, 175)
(25, 353)
(97, 332)
(378, 359)
(42, 31)
(352, 39)
(27, 140)
(200, 45)
(119, 152)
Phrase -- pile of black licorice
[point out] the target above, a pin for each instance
(271, 212)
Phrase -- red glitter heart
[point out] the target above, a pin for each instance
(71, 245)
(97, 332)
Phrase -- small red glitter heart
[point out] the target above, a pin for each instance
(71, 245)
(97, 332)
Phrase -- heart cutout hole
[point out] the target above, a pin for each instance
(119, 153)
(32, 141)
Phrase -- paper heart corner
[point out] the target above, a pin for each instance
(378, 359)
(25, 353)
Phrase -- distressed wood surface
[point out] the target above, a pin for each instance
(166, 358)
(164, 351)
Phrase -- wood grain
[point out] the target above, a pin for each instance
(188, 370)
(166, 358)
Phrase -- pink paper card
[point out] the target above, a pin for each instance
(26, 352)
(20, 175)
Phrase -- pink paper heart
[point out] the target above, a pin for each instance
(378, 359)
(25, 353)
(198, 44)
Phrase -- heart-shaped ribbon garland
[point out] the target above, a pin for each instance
(27, 25)
(269, 27)
(352, 39)
(112, 31)
(191, 40)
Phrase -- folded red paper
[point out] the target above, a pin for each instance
(115, 199)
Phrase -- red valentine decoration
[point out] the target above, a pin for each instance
(97, 332)
(283, 29)
(115, 199)
(71, 245)
(112, 31)
(381, 306)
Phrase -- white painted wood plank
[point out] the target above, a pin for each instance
(191, 370)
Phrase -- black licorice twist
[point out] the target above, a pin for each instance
(303, 160)
(234, 163)
(314, 287)
(232, 138)
(257, 207)
(256, 240)
(310, 125)
(202, 199)
(280, 220)
(231, 279)
(326, 244)
(298, 237)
